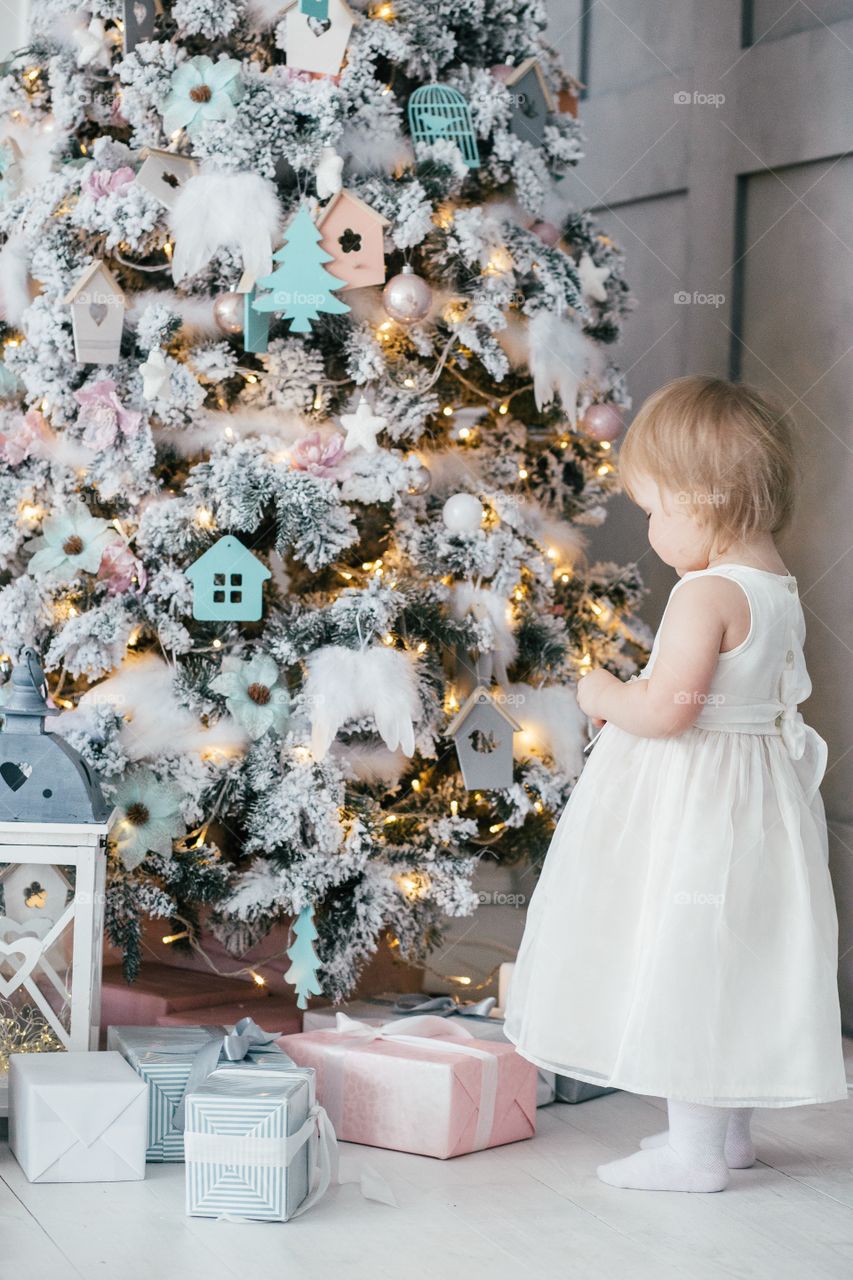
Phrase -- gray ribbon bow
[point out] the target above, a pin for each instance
(243, 1042)
(443, 1006)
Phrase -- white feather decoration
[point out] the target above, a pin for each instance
(488, 605)
(328, 174)
(210, 427)
(348, 684)
(265, 13)
(15, 295)
(369, 762)
(560, 357)
(142, 690)
(552, 722)
(214, 210)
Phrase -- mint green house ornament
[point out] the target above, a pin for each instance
(439, 111)
(228, 583)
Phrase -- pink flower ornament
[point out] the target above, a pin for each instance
(317, 454)
(102, 415)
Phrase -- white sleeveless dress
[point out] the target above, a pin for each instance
(682, 939)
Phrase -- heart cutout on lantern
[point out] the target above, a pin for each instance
(319, 26)
(98, 312)
(30, 949)
(15, 775)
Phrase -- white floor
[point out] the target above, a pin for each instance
(531, 1211)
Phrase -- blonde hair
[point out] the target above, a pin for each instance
(723, 449)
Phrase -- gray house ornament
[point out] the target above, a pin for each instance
(97, 315)
(42, 778)
(163, 174)
(483, 731)
(532, 102)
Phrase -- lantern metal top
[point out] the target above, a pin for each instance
(42, 778)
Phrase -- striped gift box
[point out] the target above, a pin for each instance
(249, 1142)
(164, 1057)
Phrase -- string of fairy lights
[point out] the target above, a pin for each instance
(465, 435)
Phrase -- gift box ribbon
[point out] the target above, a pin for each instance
(317, 1129)
(431, 1034)
(243, 1042)
(444, 1006)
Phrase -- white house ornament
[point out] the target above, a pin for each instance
(407, 297)
(97, 315)
(362, 427)
(462, 513)
(163, 174)
(592, 279)
(318, 46)
(482, 731)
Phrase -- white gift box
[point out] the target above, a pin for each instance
(77, 1117)
(257, 1145)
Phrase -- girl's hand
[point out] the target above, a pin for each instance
(591, 690)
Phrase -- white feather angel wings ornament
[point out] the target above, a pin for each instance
(348, 684)
(213, 210)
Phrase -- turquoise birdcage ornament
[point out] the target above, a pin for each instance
(439, 111)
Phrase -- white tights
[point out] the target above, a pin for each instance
(691, 1155)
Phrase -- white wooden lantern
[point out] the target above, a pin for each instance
(53, 831)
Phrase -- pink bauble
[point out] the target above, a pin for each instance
(602, 422)
(502, 71)
(547, 232)
(407, 297)
(228, 312)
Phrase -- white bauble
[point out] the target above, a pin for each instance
(462, 513)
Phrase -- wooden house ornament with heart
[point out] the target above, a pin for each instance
(163, 174)
(53, 832)
(318, 46)
(483, 731)
(354, 234)
(97, 315)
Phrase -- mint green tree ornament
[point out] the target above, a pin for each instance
(301, 287)
(302, 973)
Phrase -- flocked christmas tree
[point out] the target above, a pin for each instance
(376, 515)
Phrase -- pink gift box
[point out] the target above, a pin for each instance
(273, 1013)
(419, 1084)
(162, 989)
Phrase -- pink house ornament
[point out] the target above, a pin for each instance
(353, 234)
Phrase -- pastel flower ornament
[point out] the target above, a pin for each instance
(202, 90)
(104, 182)
(102, 415)
(317, 454)
(148, 817)
(30, 437)
(70, 543)
(120, 570)
(253, 695)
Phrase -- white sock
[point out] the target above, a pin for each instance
(739, 1148)
(692, 1158)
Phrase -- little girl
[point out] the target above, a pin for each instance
(682, 938)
